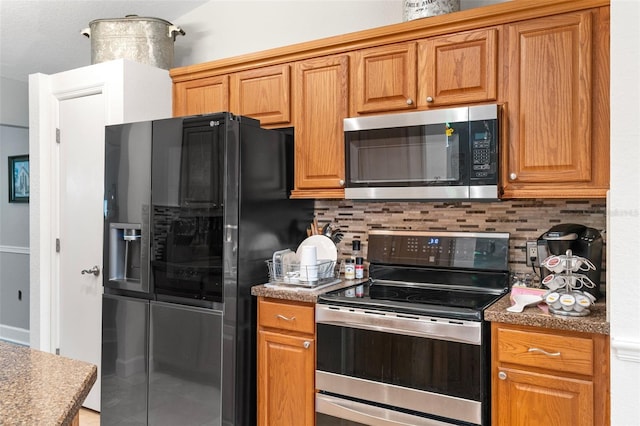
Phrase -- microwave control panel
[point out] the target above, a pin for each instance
(484, 151)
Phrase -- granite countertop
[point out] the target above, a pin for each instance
(596, 322)
(39, 388)
(301, 294)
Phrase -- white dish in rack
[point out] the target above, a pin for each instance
(327, 250)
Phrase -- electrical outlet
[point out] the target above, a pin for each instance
(532, 253)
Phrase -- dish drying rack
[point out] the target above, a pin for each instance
(571, 284)
(294, 274)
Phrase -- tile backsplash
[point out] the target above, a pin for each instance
(523, 219)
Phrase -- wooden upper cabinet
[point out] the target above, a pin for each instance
(201, 96)
(552, 150)
(458, 69)
(385, 78)
(321, 104)
(263, 94)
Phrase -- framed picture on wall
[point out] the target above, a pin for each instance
(19, 179)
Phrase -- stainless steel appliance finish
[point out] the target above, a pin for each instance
(439, 154)
(412, 341)
(184, 355)
(193, 207)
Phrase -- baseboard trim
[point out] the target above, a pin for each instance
(14, 335)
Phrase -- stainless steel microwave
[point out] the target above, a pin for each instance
(430, 155)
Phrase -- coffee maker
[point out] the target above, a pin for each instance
(581, 240)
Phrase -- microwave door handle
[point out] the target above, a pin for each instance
(369, 414)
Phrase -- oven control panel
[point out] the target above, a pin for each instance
(477, 250)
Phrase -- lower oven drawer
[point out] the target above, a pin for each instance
(332, 411)
(410, 364)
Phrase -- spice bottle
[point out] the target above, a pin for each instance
(357, 259)
(349, 269)
(359, 268)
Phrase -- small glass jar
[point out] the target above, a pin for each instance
(349, 269)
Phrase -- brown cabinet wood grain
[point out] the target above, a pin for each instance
(286, 363)
(321, 100)
(385, 78)
(458, 69)
(263, 94)
(545, 377)
(201, 96)
(552, 150)
(546, 62)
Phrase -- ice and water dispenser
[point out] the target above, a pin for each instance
(125, 253)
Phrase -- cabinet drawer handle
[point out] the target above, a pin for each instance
(513, 176)
(282, 317)
(542, 351)
(409, 101)
(341, 182)
(429, 99)
(502, 375)
(306, 344)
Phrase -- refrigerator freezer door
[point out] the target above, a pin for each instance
(185, 365)
(124, 360)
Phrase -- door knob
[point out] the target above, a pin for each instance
(502, 375)
(95, 271)
(429, 99)
(409, 101)
(513, 176)
(306, 344)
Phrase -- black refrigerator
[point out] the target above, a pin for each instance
(193, 207)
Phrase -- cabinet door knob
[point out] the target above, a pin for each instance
(502, 375)
(513, 176)
(306, 344)
(429, 99)
(341, 182)
(409, 101)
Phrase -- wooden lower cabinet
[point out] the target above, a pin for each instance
(549, 377)
(286, 363)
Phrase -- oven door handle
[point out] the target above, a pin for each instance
(369, 414)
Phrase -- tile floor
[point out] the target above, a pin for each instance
(89, 417)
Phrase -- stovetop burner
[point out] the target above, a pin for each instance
(446, 274)
(414, 300)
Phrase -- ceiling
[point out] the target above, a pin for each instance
(43, 36)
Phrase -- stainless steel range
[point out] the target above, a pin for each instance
(411, 345)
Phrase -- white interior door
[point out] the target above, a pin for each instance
(81, 174)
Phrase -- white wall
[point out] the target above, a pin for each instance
(624, 213)
(14, 217)
(222, 28)
(14, 102)
(14, 244)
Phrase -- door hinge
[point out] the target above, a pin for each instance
(57, 135)
(57, 351)
(57, 245)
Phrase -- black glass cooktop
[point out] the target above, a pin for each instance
(403, 298)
